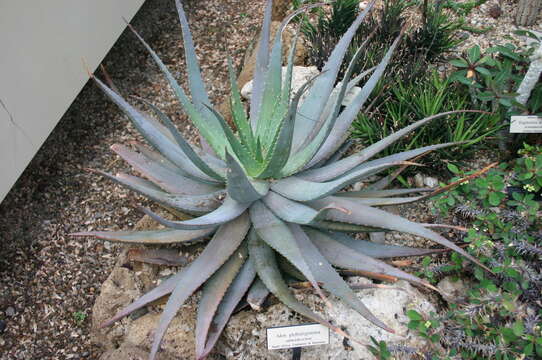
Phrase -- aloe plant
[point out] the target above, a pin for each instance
(270, 193)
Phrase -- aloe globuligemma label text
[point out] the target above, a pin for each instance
(285, 337)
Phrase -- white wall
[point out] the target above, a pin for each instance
(42, 43)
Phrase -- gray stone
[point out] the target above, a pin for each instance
(10, 311)
(453, 289)
(300, 75)
(418, 180)
(430, 182)
(245, 335)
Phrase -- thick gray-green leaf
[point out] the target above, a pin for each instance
(276, 234)
(369, 193)
(159, 172)
(257, 294)
(381, 201)
(185, 146)
(352, 162)
(339, 133)
(271, 104)
(279, 151)
(369, 216)
(343, 227)
(208, 126)
(154, 135)
(213, 291)
(292, 211)
(320, 91)
(379, 251)
(296, 188)
(346, 257)
(226, 240)
(331, 281)
(323, 126)
(240, 187)
(236, 148)
(150, 237)
(229, 210)
(238, 112)
(260, 69)
(266, 266)
(191, 204)
(195, 82)
(226, 308)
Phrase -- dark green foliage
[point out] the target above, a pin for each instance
(500, 316)
(421, 46)
(407, 92)
(492, 78)
(409, 101)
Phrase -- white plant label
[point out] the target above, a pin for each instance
(286, 337)
(526, 124)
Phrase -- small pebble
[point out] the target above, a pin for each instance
(10, 311)
(2, 326)
(430, 181)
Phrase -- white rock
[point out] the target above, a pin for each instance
(351, 95)
(300, 75)
(418, 180)
(245, 335)
(430, 182)
(452, 288)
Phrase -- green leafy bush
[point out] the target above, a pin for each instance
(492, 79)
(499, 317)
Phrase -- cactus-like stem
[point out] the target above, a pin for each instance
(531, 77)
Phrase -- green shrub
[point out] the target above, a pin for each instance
(421, 46)
(492, 78)
(500, 315)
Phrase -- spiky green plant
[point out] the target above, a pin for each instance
(269, 193)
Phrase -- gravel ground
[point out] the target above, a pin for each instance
(48, 280)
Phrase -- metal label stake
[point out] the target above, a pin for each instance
(296, 353)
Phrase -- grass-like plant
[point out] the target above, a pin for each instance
(429, 95)
(271, 191)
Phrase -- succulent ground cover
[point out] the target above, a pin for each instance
(270, 192)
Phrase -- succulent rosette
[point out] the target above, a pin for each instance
(271, 195)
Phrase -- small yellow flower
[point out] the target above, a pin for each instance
(427, 324)
(528, 187)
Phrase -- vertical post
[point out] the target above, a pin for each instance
(527, 11)
(296, 353)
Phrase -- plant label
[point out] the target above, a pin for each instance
(526, 124)
(286, 337)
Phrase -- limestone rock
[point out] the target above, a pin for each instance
(249, 63)
(430, 182)
(300, 75)
(425, 181)
(453, 289)
(245, 335)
